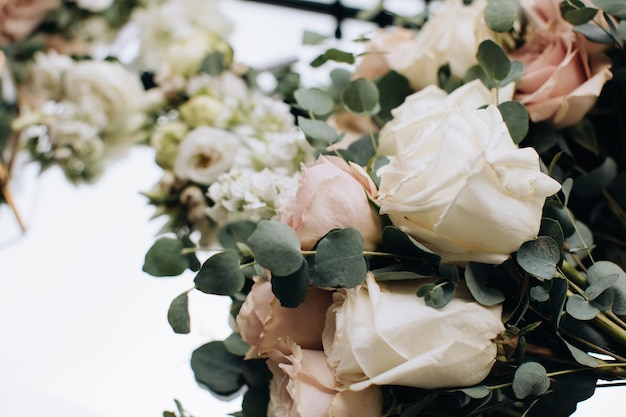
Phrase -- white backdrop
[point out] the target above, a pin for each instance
(83, 330)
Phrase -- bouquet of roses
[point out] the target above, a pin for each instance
(460, 250)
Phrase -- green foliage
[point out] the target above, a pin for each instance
(539, 257)
(493, 60)
(233, 235)
(615, 8)
(167, 257)
(361, 97)
(478, 277)
(217, 369)
(339, 260)
(312, 38)
(314, 100)
(234, 344)
(397, 242)
(500, 15)
(214, 63)
(291, 289)
(438, 294)
(333, 54)
(530, 379)
(318, 133)
(516, 118)
(178, 314)
(612, 278)
(220, 274)
(255, 402)
(276, 246)
(393, 88)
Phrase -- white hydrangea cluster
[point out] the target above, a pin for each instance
(250, 195)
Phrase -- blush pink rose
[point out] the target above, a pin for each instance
(303, 385)
(563, 73)
(18, 18)
(333, 194)
(383, 51)
(262, 320)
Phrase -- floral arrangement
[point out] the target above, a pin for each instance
(457, 245)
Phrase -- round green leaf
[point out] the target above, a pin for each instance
(255, 402)
(234, 233)
(539, 294)
(493, 60)
(234, 344)
(178, 314)
(601, 269)
(477, 276)
(516, 118)
(616, 8)
(339, 260)
(276, 246)
(220, 274)
(314, 100)
(552, 228)
(500, 15)
(530, 379)
(539, 257)
(440, 294)
(579, 16)
(580, 309)
(291, 290)
(318, 133)
(166, 258)
(217, 369)
(361, 97)
(475, 392)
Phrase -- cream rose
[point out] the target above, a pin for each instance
(465, 190)
(333, 194)
(563, 73)
(204, 154)
(94, 5)
(303, 386)
(450, 36)
(432, 104)
(383, 334)
(108, 94)
(262, 320)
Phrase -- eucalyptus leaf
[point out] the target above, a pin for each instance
(616, 8)
(580, 16)
(598, 286)
(539, 257)
(312, 38)
(552, 228)
(276, 246)
(318, 133)
(580, 356)
(601, 269)
(530, 379)
(477, 276)
(500, 15)
(439, 294)
(596, 181)
(361, 96)
(178, 314)
(234, 233)
(234, 344)
(255, 402)
(314, 100)
(580, 309)
(393, 89)
(333, 54)
(450, 271)
(166, 258)
(580, 242)
(493, 60)
(220, 274)
(291, 290)
(476, 392)
(214, 63)
(217, 369)
(339, 260)
(539, 294)
(397, 276)
(594, 33)
(516, 118)
(397, 242)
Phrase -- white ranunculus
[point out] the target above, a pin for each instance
(110, 96)
(204, 154)
(431, 104)
(465, 190)
(383, 334)
(450, 36)
(45, 78)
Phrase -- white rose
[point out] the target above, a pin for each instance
(94, 5)
(204, 154)
(450, 36)
(45, 79)
(431, 104)
(110, 96)
(465, 190)
(383, 334)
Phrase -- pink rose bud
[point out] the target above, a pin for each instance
(332, 195)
